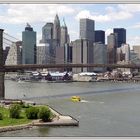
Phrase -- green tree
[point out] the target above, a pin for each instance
(44, 114)
(15, 110)
(1, 116)
(32, 113)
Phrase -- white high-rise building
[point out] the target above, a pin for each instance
(126, 50)
(136, 49)
(43, 55)
(14, 55)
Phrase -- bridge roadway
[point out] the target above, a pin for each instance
(14, 68)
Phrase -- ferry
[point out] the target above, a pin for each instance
(75, 99)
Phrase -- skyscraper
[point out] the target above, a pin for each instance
(64, 35)
(56, 30)
(82, 52)
(43, 56)
(100, 56)
(87, 29)
(126, 50)
(111, 48)
(121, 36)
(100, 36)
(28, 45)
(47, 32)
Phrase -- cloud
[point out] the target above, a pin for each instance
(88, 14)
(134, 40)
(136, 26)
(112, 14)
(33, 13)
(132, 8)
(73, 35)
(108, 31)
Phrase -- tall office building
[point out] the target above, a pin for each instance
(47, 37)
(100, 56)
(64, 35)
(111, 48)
(43, 55)
(82, 52)
(56, 30)
(47, 32)
(121, 36)
(100, 36)
(28, 45)
(87, 29)
(126, 51)
(136, 49)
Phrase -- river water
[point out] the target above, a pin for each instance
(107, 108)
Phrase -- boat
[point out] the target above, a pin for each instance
(75, 98)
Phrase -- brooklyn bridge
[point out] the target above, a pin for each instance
(15, 68)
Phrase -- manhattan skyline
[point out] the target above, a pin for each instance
(107, 16)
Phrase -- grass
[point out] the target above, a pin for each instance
(7, 121)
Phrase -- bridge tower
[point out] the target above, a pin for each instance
(2, 88)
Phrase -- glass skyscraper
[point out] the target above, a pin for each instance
(47, 32)
(121, 36)
(28, 45)
(100, 36)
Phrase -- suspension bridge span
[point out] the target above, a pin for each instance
(15, 68)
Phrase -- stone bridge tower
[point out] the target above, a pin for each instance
(2, 88)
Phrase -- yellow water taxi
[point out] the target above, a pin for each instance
(75, 98)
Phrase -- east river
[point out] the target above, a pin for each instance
(107, 108)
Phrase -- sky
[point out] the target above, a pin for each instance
(13, 18)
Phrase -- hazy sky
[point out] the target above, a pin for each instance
(13, 18)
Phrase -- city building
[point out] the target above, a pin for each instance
(100, 56)
(43, 55)
(64, 35)
(14, 54)
(126, 51)
(57, 30)
(134, 57)
(68, 55)
(111, 48)
(120, 56)
(47, 33)
(121, 36)
(87, 29)
(82, 52)
(28, 45)
(136, 49)
(100, 36)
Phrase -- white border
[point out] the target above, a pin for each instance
(68, 1)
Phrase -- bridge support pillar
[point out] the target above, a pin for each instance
(2, 87)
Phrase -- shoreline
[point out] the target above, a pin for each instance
(59, 120)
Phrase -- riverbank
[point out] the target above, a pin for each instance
(58, 120)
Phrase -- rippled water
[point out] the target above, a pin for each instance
(107, 109)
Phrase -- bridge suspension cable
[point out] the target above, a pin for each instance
(9, 39)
